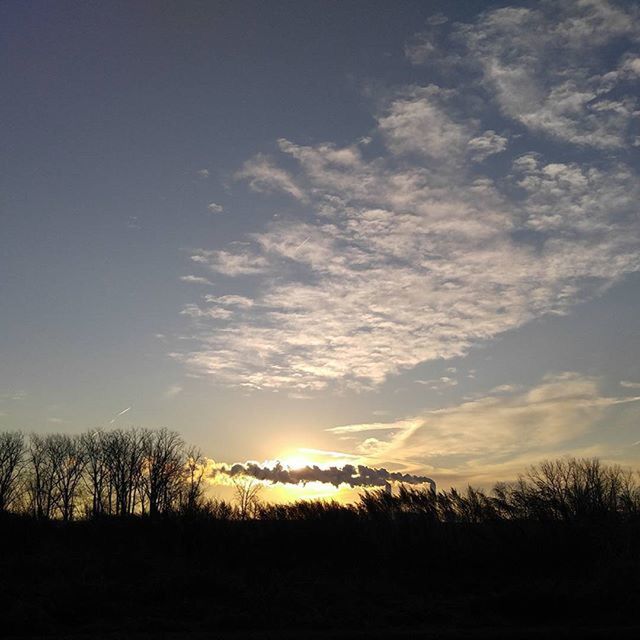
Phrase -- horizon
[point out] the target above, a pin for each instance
(326, 233)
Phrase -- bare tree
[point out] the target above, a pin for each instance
(68, 461)
(124, 457)
(194, 473)
(162, 470)
(41, 481)
(247, 493)
(11, 459)
(96, 476)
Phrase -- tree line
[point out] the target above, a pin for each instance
(99, 473)
(153, 472)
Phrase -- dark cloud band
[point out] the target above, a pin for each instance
(352, 475)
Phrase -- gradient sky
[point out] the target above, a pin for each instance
(403, 232)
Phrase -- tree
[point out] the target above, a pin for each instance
(40, 482)
(162, 469)
(124, 457)
(247, 492)
(11, 459)
(96, 476)
(68, 460)
(194, 472)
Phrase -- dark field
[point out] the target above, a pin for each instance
(331, 575)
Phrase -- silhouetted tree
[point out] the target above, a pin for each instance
(247, 493)
(11, 459)
(96, 476)
(67, 459)
(41, 484)
(193, 478)
(124, 457)
(162, 469)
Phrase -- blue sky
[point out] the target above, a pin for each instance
(406, 233)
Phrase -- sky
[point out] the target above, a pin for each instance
(404, 235)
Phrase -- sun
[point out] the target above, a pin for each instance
(306, 457)
(296, 461)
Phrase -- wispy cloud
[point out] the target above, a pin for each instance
(400, 425)
(231, 263)
(15, 396)
(421, 252)
(196, 280)
(546, 67)
(265, 176)
(173, 391)
(437, 384)
(491, 433)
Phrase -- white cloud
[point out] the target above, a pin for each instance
(505, 388)
(419, 123)
(213, 207)
(414, 254)
(203, 173)
(547, 67)
(577, 198)
(629, 385)
(264, 176)
(485, 145)
(407, 264)
(400, 425)
(230, 263)
(214, 313)
(231, 301)
(437, 384)
(196, 280)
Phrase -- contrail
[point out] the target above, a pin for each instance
(119, 414)
(353, 475)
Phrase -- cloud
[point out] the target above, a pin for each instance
(443, 382)
(629, 385)
(203, 173)
(230, 301)
(419, 124)
(15, 396)
(214, 313)
(266, 177)
(373, 426)
(570, 198)
(485, 145)
(351, 475)
(230, 263)
(215, 208)
(549, 67)
(414, 252)
(491, 433)
(196, 280)
(173, 391)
